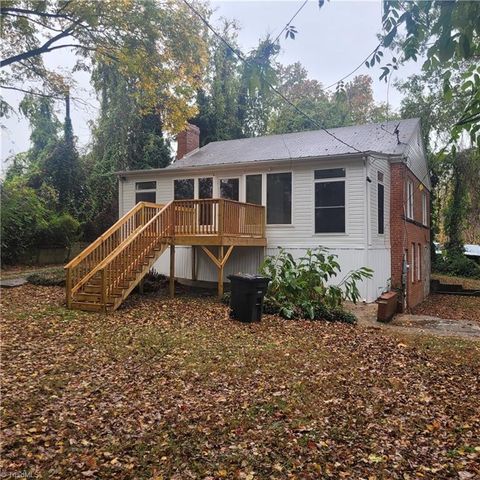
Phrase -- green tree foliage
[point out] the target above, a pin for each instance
(28, 222)
(255, 100)
(218, 101)
(447, 34)
(162, 45)
(351, 104)
(62, 169)
(454, 175)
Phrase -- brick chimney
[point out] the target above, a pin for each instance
(188, 140)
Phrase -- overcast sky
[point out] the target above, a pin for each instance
(330, 43)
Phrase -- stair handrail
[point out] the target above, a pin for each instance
(117, 250)
(98, 242)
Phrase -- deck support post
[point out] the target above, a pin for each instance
(172, 271)
(220, 271)
(194, 263)
(220, 263)
(69, 287)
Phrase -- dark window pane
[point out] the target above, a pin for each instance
(145, 185)
(330, 194)
(254, 189)
(205, 187)
(229, 188)
(330, 220)
(279, 198)
(205, 190)
(146, 197)
(329, 173)
(381, 208)
(183, 189)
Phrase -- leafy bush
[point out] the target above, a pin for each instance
(51, 278)
(457, 265)
(23, 217)
(27, 222)
(60, 231)
(300, 289)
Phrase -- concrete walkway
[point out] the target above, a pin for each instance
(408, 323)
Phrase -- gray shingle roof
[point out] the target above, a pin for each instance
(377, 138)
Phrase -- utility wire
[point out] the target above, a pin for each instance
(273, 88)
(357, 68)
(290, 21)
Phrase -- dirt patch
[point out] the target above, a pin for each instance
(175, 389)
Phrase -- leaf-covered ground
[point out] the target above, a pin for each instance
(471, 283)
(454, 307)
(174, 389)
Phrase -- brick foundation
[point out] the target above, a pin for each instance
(405, 232)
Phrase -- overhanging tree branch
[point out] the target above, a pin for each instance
(46, 47)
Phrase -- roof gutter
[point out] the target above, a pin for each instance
(226, 166)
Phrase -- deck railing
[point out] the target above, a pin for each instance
(218, 216)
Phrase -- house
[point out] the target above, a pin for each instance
(362, 191)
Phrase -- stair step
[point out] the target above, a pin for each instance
(87, 297)
(89, 306)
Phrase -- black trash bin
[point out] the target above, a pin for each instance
(247, 292)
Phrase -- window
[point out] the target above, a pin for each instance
(145, 192)
(205, 187)
(424, 209)
(253, 189)
(183, 189)
(409, 199)
(229, 188)
(412, 266)
(205, 190)
(279, 198)
(381, 208)
(329, 200)
(419, 262)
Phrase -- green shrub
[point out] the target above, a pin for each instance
(51, 278)
(61, 230)
(457, 265)
(300, 289)
(23, 217)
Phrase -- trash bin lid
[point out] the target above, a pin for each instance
(249, 277)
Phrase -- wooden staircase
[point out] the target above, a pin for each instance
(105, 273)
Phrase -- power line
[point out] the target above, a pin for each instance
(272, 87)
(356, 68)
(290, 21)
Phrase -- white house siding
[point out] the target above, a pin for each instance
(353, 247)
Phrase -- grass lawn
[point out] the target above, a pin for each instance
(173, 389)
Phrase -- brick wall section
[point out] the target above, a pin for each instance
(188, 140)
(404, 232)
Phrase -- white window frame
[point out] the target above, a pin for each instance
(424, 209)
(236, 177)
(410, 200)
(380, 182)
(146, 190)
(332, 179)
(195, 184)
(265, 192)
(262, 187)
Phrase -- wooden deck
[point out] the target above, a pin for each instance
(105, 273)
